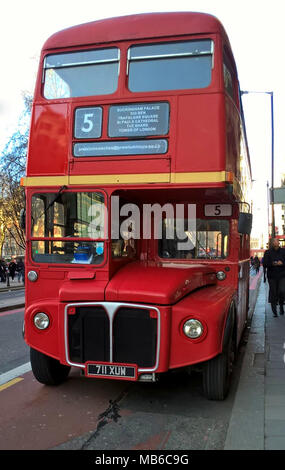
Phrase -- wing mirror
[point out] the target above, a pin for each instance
(244, 223)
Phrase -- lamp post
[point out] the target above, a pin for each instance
(272, 153)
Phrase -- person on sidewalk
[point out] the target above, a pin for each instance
(21, 270)
(256, 264)
(274, 263)
(12, 269)
(2, 271)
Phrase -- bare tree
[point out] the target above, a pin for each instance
(12, 168)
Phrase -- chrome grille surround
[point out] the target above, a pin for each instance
(111, 308)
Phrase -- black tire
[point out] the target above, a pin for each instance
(47, 370)
(217, 373)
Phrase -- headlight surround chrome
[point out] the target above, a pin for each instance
(41, 321)
(221, 275)
(32, 276)
(193, 328)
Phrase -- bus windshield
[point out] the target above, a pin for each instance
(59, 216)
(210, 240)
(170, 66)
(84, 73)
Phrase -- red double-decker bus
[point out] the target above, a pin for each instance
(137, 131)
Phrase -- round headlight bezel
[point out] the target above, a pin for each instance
(32, 276)
(221, 275)
(193, 323)
(41, 321)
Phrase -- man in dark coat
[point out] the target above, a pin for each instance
(274, 263)
(256, 264)
(12, 269)
(2, 271)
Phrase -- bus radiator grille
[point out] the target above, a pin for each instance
(134, 338)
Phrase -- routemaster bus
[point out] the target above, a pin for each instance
(137, 206)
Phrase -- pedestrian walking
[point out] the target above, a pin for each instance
(264, 268)
(12, 269)
(21, 270)
(274, 262)
(2, 271)
(256, 264)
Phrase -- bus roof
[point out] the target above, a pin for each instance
(141, 26)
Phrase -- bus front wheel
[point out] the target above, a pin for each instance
(217, 373)
(47, 370)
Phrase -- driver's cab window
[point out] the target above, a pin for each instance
(123, 244)
(209, 240)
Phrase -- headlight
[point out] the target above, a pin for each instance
(221, 275)
(32, 276)
(41, 320)
(193, 328)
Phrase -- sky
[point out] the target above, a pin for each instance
(256, 32)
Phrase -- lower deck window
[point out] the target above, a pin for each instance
(210, 240)
(59, 218)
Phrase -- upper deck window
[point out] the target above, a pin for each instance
(170, 66)
(229, 75)
(228, 80)
(84, 73)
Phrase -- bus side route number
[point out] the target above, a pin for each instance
(88, 123)
(218, 210)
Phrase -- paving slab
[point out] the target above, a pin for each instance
(246, 426)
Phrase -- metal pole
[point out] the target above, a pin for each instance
(8, 280)
(272, 167)
(268, 205)
(272, 156)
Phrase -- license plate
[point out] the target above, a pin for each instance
(119, 371)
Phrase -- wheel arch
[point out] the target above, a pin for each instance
(230, 328)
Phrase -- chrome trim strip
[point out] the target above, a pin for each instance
(111, 308)
(86, 62)
(171, 56)
(77, 64)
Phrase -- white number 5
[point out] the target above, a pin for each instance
(218, 210)
(87, 123)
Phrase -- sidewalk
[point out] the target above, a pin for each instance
(258, 415)
(10, 302)
(13, 285)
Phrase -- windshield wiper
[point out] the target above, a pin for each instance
(61, 189)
